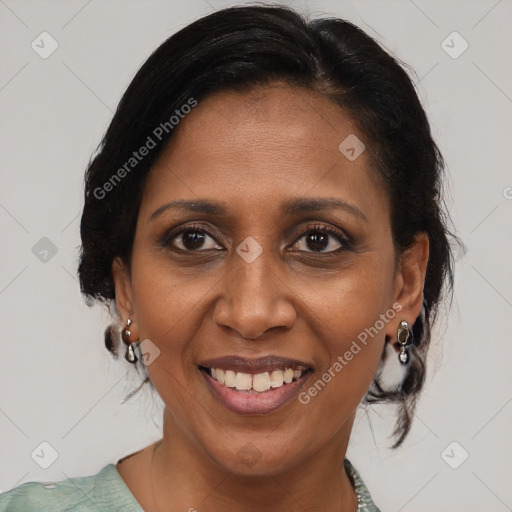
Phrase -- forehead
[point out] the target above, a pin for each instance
(268, 144)
(278, 115)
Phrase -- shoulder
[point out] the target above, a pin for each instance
(104, 491)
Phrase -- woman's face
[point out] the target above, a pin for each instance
(267, 278)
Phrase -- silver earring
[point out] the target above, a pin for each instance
(130, 353)
(403, 337)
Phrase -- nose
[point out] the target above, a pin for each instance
(254, 299)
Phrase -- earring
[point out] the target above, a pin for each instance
(130, 353)
(404, 338)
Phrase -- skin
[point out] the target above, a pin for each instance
(254, 150)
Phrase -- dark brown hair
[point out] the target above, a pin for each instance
(236, 49)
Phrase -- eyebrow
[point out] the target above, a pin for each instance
(290, 207)
(313, 204)
(200, 205)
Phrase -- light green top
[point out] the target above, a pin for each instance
(107, 492)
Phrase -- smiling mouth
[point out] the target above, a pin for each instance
(255, 386)
(256, 382)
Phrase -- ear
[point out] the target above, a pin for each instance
(124, 294)
(409, 283)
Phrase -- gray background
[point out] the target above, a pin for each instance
(60, 386)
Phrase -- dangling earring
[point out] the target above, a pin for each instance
(403, 337)
(130, 353)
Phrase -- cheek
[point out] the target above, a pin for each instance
(351, 315)
(170, 309)
(167, 297)
(352, 302)
(169, 312)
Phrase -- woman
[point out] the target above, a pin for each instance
(264, 217)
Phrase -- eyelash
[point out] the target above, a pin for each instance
(326, 230)
(345, 242)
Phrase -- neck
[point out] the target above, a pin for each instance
(184, 475)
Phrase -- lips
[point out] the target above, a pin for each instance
(255, 386)
(260, 365)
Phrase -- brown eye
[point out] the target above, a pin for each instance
(317, 241)
(193, 240)
(321, 239)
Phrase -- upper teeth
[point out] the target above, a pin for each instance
(258, 382)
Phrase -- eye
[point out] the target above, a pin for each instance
(192, 239)
(322, 239)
